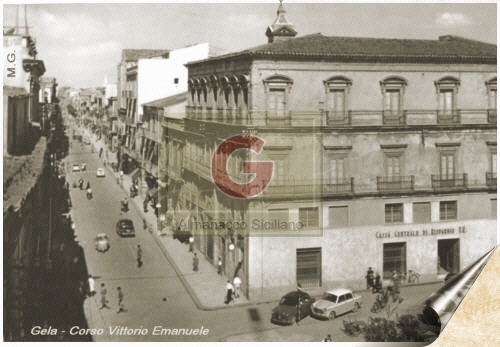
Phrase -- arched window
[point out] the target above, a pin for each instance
(277, 89)
(393, 89)
(337, 92)
(447, 89)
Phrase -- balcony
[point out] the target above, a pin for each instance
(492, 116)
(336, 118)
(448, 117)
(394, 118)
(389, 184)
(491, 179)
(343, 186)
(450, 182)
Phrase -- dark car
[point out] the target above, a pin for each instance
(286, 311)
(125, 228)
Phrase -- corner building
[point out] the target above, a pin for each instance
(384, 154)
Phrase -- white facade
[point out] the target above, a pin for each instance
(160, 78)
(14, 51)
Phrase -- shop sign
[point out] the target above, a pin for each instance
(417, 233)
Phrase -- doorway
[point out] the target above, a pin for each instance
(449, 255)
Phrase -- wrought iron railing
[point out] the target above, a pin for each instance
(458, 181)
(395, 183)
(491, 179)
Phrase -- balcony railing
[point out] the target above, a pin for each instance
(394, 118)
(491, 179)
(448, 117)
(492, 116)
(395, 183)
(336, 118)
(344, 186)
(458, 181)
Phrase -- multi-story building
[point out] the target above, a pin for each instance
(146, 76)
(383, 154)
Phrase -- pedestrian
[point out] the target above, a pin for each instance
(377, 286)
(139, 256)
(144, 224)
(369, 278)
(88, 185)
(229, 292)
(397, 281)
(297, 313)
(100, 153)
(120, 300)
(328, 338)
(196, 262)
(219, 266)
(91, 286)
(237, 286)
(104, 301)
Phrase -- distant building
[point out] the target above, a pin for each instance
(383, 153)
(145, 76)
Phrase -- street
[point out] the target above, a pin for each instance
(154, 296)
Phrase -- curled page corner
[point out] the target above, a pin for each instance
(439, 307)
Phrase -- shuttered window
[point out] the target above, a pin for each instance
(309, 267)
(447, 210)
(309, 217)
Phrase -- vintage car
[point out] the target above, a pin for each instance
(286, 311)
(101, 242)
(125, 228)
(76, 167)
(336, 302)
(100, 172)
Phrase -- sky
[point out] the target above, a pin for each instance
(81, 44)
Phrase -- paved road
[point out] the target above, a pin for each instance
(146, 288)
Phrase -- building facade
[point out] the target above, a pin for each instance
(383, 154)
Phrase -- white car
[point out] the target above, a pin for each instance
(100, 172)
(101, 242)
(336, 302)
(76, 167)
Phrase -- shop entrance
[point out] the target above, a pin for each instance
(394, 258)
(449, 255)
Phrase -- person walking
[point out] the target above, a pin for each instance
(229, 292)
(91, 286)
(120, 300)
(139, 256)
(196, 262)
(104, 301)
(237, 286)
(369, 278)
(297, 313)
(219, 266)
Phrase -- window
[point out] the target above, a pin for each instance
(277, 89)
(421, 212)
(447, 210)
(447, 165)
(447, 89)
(392, 91)
(338, 216)
(336, 172)
(393, 165)
(309, 217)
(394, 213)
(491, 86)
(309, 267)
(337, 89)
(394, 258)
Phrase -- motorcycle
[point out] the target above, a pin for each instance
(133, 191)
(89, 193)
(124, 206)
